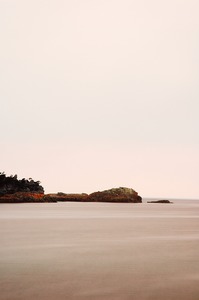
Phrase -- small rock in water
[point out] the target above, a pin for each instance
(160, 201)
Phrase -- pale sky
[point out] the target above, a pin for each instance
(98, 94)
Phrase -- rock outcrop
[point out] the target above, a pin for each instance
(117, 195)
(24, 197)
(160, 201)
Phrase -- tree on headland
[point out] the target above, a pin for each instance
(11, 184)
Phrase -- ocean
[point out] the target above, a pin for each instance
(94, 251)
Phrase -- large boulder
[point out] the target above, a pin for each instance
(117, 195)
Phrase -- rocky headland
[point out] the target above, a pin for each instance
(13, 190)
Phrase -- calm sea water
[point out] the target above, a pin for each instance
(99, 251)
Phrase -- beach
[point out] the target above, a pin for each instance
(94, 251)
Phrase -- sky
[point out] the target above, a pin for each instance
(96, 94)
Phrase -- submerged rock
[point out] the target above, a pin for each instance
(118, 195)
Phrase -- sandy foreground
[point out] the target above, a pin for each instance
(99, 251)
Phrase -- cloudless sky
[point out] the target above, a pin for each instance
(98, 94)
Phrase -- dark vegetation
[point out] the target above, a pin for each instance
(11, 185)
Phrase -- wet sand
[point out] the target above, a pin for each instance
(99, 251)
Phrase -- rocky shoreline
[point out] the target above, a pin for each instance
(115, 195)
(13, 190)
